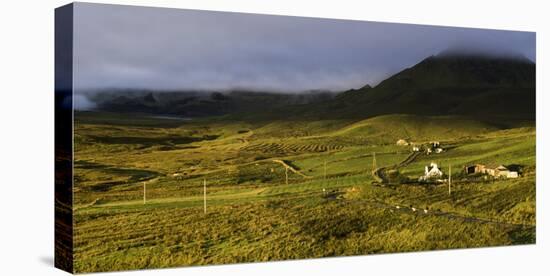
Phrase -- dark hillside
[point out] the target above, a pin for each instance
(446, 84)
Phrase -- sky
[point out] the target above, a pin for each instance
(173, 49)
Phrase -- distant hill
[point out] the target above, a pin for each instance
(447, 84)
(200, 104)
(390, 128)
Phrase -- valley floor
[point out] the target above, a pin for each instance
(289, 190)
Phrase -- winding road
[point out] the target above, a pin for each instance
(380, 175)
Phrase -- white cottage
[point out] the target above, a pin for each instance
(402, 142)
(431, 172)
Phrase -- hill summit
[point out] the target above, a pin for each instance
(450, 83)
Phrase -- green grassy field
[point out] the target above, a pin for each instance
(330, 206)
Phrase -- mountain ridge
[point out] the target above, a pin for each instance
(449, 83)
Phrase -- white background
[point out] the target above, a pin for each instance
(27, 155)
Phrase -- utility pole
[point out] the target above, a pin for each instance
(144, 191)
(373, 161)
(204, 194)
(449, 179)
(286, 175)
(325, 175)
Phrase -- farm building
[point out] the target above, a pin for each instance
(433, 147)
(416, 148)
(402, 142)
(498, 171)
(473, 169)
(509, 174)
(431, 172)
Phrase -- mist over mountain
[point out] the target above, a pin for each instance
(201, 103)
(470, 83)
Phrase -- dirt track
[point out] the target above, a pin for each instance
(290, 168)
